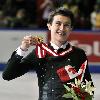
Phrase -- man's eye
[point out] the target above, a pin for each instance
(58, 23)
(67, 25)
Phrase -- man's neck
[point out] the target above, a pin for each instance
(59, 43)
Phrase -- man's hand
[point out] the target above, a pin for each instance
(30, 41)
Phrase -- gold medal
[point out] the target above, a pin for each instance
(38, 39)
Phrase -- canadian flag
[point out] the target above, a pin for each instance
(68, 72)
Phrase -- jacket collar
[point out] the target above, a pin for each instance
(55, 47)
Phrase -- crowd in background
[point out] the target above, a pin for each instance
(33, 14)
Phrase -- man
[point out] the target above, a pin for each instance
(51, 62)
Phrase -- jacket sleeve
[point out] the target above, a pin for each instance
(87, 74)
(17, 65)
(82, 57)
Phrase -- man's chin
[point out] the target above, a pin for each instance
(62, 41)
(61, 38)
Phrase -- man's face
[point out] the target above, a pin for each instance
(60, 28)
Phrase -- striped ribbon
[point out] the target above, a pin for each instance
(43, 49)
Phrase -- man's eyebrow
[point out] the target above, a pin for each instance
(57, 21)
(64, 23)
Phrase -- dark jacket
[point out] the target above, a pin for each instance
(50, 85)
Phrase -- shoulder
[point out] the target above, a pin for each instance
(77, 49)
(79, 52)
(78, 55)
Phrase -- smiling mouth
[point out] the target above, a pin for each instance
(61, 33)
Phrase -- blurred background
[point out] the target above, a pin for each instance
(23, 17)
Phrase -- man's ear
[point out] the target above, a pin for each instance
(49, 26)
(71, 28)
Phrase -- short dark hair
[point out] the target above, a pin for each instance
(61, 11)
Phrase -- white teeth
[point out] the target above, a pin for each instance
(61, 33)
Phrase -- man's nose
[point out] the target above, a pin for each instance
(61, 27)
